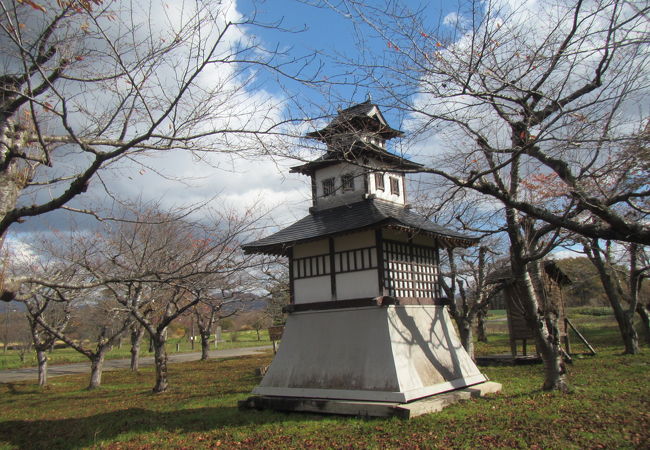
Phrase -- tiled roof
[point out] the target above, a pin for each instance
(355, 118)
(371, 213)
(356, 151)
(358, 109)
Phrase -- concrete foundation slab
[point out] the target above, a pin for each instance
(416, 408)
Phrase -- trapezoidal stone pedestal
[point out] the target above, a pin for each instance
(390, 355)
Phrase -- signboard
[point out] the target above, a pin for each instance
(275, 333)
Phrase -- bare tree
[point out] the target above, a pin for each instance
(222, 303)
(277, 286)
(619, 290)
(474, 293)
(90, 83)
(58, 300)
(176, 263)
(136, 335)
(57, 315)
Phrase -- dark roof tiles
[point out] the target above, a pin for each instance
(355, 216)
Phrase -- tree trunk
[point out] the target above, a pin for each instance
(205, 345)
(642, 310)
(13, 179)
(160, 359)
(628, 333)
(480, 327)
(548, 343)
(615, 297)
(136, 339)
(547, 339)
(96, 367)
(41, 357)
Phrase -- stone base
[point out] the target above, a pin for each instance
(393, 353)
(416, 408)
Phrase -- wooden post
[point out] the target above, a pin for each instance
(178, 347)
(332, 269)
(581, 337)
(379, 244)
(524, 347)
(567, 341)
(292, 298)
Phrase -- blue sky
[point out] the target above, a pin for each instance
(333, 36)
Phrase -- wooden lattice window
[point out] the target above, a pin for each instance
(410, 270)
(379, 181)
(394, 186)
(355, 260)
(347, 182)
(311, 266)
(328, 187)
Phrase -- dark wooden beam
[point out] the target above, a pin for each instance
(379, 243)
(332, 268)
(292, 298)
(361, 302)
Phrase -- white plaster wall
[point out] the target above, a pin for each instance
(361, 284)
(385, 194)
(309, 290)
(351, 241)
(311, 248)
(339, 197)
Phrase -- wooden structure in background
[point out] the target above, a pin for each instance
(553, 283)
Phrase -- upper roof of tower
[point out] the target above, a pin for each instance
(363, 117)
(355, 133)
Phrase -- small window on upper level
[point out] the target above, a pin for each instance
(379, 181)
(394, 186)
(328, 187)
(347, 182)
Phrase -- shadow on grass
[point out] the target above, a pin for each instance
(89, 431)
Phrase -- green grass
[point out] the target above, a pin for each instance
(608, 409)
(11, 360)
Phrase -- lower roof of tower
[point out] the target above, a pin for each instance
(365, 214)
(353, 154)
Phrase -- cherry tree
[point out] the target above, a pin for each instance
(90, 85)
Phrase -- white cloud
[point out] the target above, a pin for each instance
(456, 20)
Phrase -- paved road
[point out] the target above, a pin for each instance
(31, 373)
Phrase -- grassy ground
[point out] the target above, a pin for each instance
(11, 360)
(609, 408)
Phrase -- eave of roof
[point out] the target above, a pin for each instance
(366, 214)
(358, 149)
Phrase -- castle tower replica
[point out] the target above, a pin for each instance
(366, 321)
